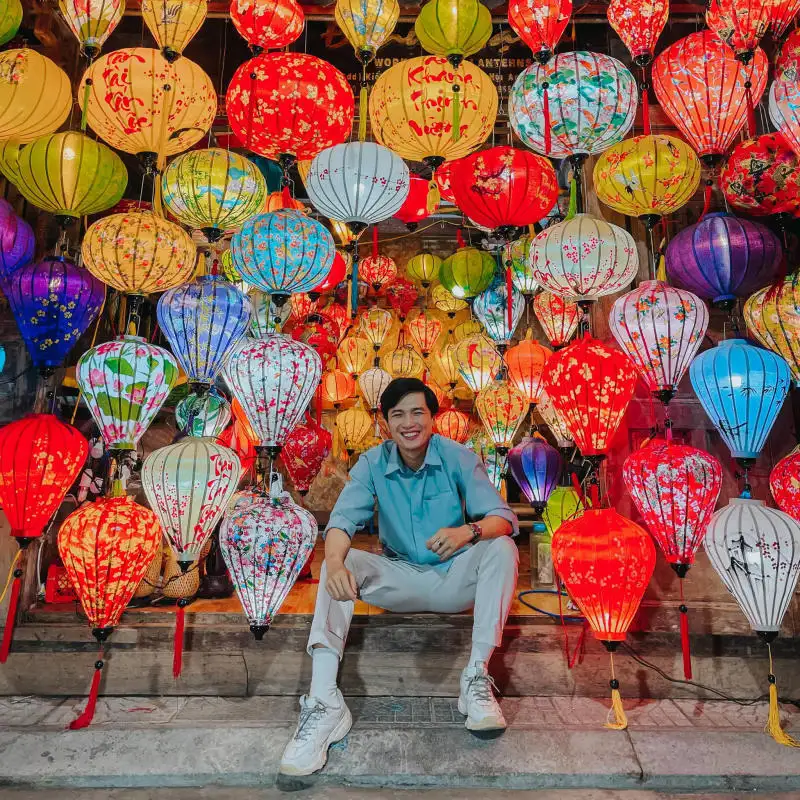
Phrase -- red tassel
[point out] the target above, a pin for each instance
(687, 654)
(11, 616)
(594, 492)
(460, 239)
(548, 134)
(177, 653)
(751, 112)
(576, 485)
(318, 409)
(645, 111)
(286, 196)
(510, 301)
(85, 719)
(707, 198)
(374, 241)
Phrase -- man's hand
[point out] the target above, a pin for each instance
(341, 584)
(447, 541)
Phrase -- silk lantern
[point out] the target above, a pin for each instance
(467, 272)
(124, 383)
(306, 449)
(540, 25)
(783, 13)
(206, 414)
(354, 354)
(783, 111)
(424, 332)
(536, 467)
(318, 331)
(491, 307)
(373, 383)
(553, 419)
(268, 24)
(302, 306)
(558, 317)
(265, 542)
(424, 268)
(517, 252)
(17, 241)
(377, 271)
(525, 365)
(722, 257)
(375, 324)
(784, 484)
(442, 300)
(337, 386)
(661, 329)
(563, 505)
(740, 24)
(353, 426)
(639, 25)
(172, 24)
(367, 24)
(444, 359)
(92, 21)
(338, 272)
(401, 295)
(416, 207)
(453, 424)
(453, 30)
(107, 547)
(502, 408)
(10, 20)
(404, 362)
(203, 321)
(478, 361)
(267, 317)
(213, 190)
(469, 327)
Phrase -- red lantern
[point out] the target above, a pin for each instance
(304, 452)
(783, 14)
(40, 458)
(337, 274)
(639, 24)
(540, 25)
(784, 483)
(402, 295)
(302, 306)
(740, 24)
(268, 24)
(442, 178)
(289, 106)
(558, 317)
(416, 208)
(590, 384)
(237, 436)
(337, 313)
(318, 331)
(453, 424)
(377, 270)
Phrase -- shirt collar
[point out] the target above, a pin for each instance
(395, 463)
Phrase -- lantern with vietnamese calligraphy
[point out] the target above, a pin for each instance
(540, 25)
(304, 452)
(206, 414)
(174, 24)
(453, 424)
(10, 20)
(92, 21)
(784, 483)
(639, 25)
(536, 467)
(502, 408)
(424, 268)
(453, 30)
(353, 426)
(424, 332)
(558, 317)
(17, 240)
(372, 384)
(404, 362)
(268, 24)
(525, 365)
(467, 272)
(354, 354)
(491, 308)
(478, 361)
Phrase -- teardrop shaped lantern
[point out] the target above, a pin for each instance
(558, 317)
(525, 365)
(502, 409)
(172, 24)
(353, 426)
(553, 419)
(784, 483)
(491, 308)
(536, 467)
(17, 240)
(444, 359)
(355, 354)
(203, 321)
(661, 329)
(453, 30)
(268, 24)
(10, 20)
(206, 414)
(404, 362)
(125, 383)
(638, 25)
(424, 268)
(467, 272)
(306, 449)
(742, 389)
(425, 332)
(563, 505)
(740, 24)
(92, 21)
(265, 542)
(453, 424)
(372, 384)
(540, 25)
(375, 324)
(478, 361)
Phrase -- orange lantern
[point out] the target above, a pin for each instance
(267, 24)
(337, 386)
(740, 24)
(502, 408)
(453, 424)
(525, 363)
(540, 25)
(639, 24)
(277, 201)
(557, 316)
(302, 306)
(424, 332)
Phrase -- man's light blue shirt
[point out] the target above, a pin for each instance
(450, 488)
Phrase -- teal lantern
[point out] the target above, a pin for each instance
(206, 414)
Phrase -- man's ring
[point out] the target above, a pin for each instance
(437, 542)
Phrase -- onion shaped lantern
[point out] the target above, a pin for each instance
(563, 505)
(424, 268)
(536, 467)
(467, 272)
(425, 332)
(268, 24)
(172, 24)
(741, 25)
(92, 21)
(353, 427)
(540, 25)
(337, 387)
(10, 20)
(404, 362)
(373, 383)
(453, 424)
(478, 361)
(502, 408)
(638, 25)
(200, 415)
(784, 483)
(306, 449)
(453, 30)
(555, 422)
(491, 308)
(525, 365)
(354, 354)
(558, 317)
(17, 241)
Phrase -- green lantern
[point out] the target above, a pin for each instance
(562, 505)
(10, 19)
(521, 272)
(467, 272)
(453, 28)
(424, 268)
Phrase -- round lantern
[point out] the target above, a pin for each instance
(353, 426)
(424, 268)
(92, 21)
(125, 383)
(521, 276)
(721, 258)
(741, 25)
(785, 486)
(138, 102)
(453, 424)
(268, 25)
(536, 467)
(584, 258)
(377, 271)
(337, 387)
(306, 449)
(470, 327)
(289, 106)
(404, 362)
(213, 190)
(502, 408)
(491, 308)
(553, 419)
(302, 306)
(416, 207)
(206, 414)
(590, 385)
(67, 174)
(10, 20)
(424, 333)
(342, 261)
(354, 354)
(478, 361)
(35, 95)
(203, 321)
(563, 505)
(576, 104)
(453, 30)
(540, 25)
(638, 25)
(525, 364)
(661, 329)
(442, 300)
(174, 25)
(558, 317)
(401, 295)
(426, 110)
(647, 176)
(783, 14)
(367, 24)
(375, 324)
(784, 98)
(467, 272)
(53, 302)
(283, 253)
(274, 378)
(265, 542)
(742, 389)
(372, 384)
(701, 86)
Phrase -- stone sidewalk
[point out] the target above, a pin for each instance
(552, 743)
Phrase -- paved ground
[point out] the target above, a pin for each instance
(334, 793)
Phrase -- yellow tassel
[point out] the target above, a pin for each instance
(531, 231)
(661, 272)
(434, 197)
(503, 489)
(617, 713)
(773, 726)
(362, 113)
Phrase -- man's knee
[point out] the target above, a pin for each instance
(503, 550)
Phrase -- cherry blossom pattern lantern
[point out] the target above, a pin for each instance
(558, 317)
(289, 106)
(755, 550)
(740, 24)
(453, 424)
(267, 24)
(639, 25)
(174, 25)
(416, 207)
(702, 87)
(661, 329)
(536, 467)
(525, 365)
(92, 21)
(17, 240)
(555, 422)
(540, 25)
(784, 483)
(377, 270)
(206, 414)
(478, 361)
(265, 542)
(502, 408)
(306, 449)
(354, 354)
(675, 488)
(373, 383)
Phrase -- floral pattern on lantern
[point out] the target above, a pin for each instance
(540, 25)
(784, 110)
(553, 419)
(401, 295)
(525, 365)
(268, 25)
(741, 25)
(372, 384)
(784, 483)
(354, 354)
(92, 21)
(491, 308)
(377, 271)
(306, 449)
(478, 361)
(424, 332)
(639, 24)
(502, 408)
(367, 24)
(558, 317)
(375, 324)
(453, 424)
(206, 414)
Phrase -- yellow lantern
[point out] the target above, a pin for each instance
(174, 23)
(478, 361)
(375, 324)
(424, 268)
(353, 425)
(445, 362)
(213, 190)
(92, 21)
(67, 174)
(469, 327)
(354, 353)
(444, 301)
(425, 110)
(424, 332)
(772, 316)
(502, 408)
(647, 176)
(405, 362)
(35, 95)
(138, 102)
(453, 28)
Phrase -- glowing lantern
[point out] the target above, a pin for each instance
(536, 467)
(289, 106)
(278, 201)
(783, 14)
(453, 424)
(372, 384)
(206, 414)
(138, 102)
(639, 25)
(661, 329)
(784, 483)
(426, 110)
(67, 174)
(444, 358)
(267, 253)
(302, 306)
(469, 327)
(405, 362)
(742, 389)
(502, 408)
(304, 452)
(268, 24)
(172, 24)
(647, 176)
(584, 258)
(783, 105)
(17, 241)
(337, 386)
(318, 331)
(454, 30)
(525, 364)
(721, 258)
(10, 20)
(354, 354)
(540, 25)
(353, 427)
(491, 308)
(590, 385)
(35, 95)
(338, 272)
(518, 252)
(741, 25)
(106, 547)
(416, 207)
(478, 361)
(265, 542)
(375, 324)
(701, 86)
(401, 295)
(467, 272)
(444, 301)
(563, 505)
(558, 317)
(92, 21)
(377, 271)
(274, 378)
(424, 332)
(213, 190)
(424, 268)
(553, 419)
(338, 315)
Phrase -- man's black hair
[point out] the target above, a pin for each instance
(400, 387)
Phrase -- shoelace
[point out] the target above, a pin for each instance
(304, 730)
(481, 686)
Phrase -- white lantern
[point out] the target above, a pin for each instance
(373, 384)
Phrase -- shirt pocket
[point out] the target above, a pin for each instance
(443, 510)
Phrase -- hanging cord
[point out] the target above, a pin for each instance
(10, 575)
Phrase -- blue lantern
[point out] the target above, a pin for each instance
(491, 308)
(283, 253)
(742, 388)
(536, 467)
(17, 241)
(202, 322)
(54, 302)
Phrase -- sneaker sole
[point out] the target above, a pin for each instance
(480, 725)
(337, 734)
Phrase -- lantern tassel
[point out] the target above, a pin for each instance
(645, 110)
(773, 726)
(177, 651)
(362, 113)
(456, 113)
(617, 720)
(751, 112)
(510, 299)
(572, 210)
(286, 196)
(548, 133)
(707, 198)
(15, 576)
(85, 719)
(685, 647)
(460, 239)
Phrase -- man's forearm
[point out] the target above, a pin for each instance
(493, 527)
(337, 546)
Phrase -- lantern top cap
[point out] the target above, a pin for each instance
(129, 337)
(741, 501)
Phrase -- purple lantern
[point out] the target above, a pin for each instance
(723, 257)
(17, 241)
(536, 467)
(54, 302)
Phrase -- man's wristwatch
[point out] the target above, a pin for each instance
(477, 532)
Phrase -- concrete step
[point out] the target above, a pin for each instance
(421, 743)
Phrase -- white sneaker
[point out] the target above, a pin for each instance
(477, 701)
(319, 727)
